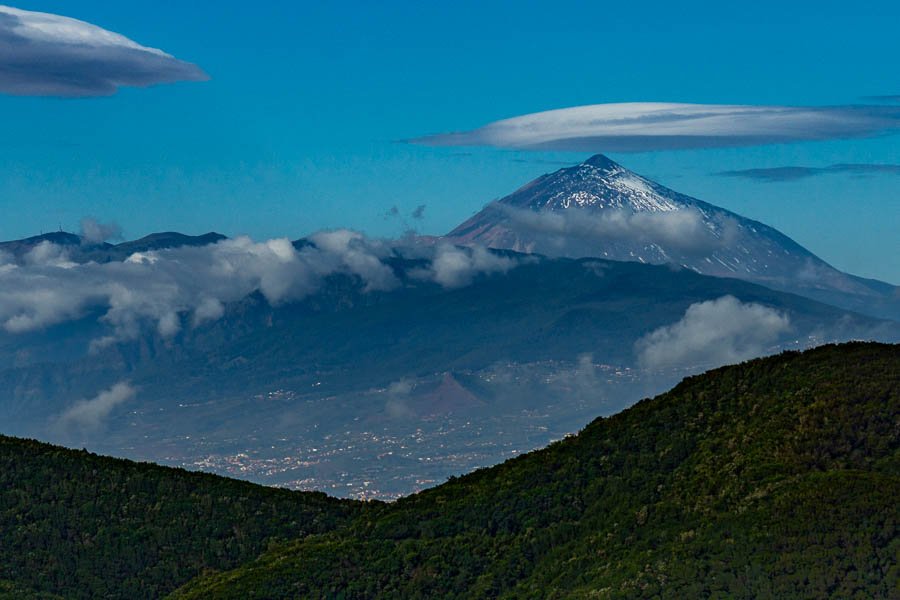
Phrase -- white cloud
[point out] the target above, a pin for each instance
(209, 309)
(89, 415)
(157, 286)
(43, 54)
(713, 333)
(48, 254)
(359, 255)
(456, 267)
(680, 230)
(187, 286)
(647, 126)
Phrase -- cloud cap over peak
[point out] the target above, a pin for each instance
(650, 126)
(43, 54)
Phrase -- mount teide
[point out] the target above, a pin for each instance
(599, 208)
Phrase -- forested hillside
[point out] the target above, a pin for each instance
(85, 526)
(776, 478)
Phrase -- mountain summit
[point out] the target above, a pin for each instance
(599, 208)
(598, 183)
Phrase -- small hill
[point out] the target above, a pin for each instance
(775, 478)
(154, 241)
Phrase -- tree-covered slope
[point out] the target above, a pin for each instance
(14, 591)
(80, 525)
(776, 478)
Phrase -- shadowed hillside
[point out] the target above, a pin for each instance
(86, 526)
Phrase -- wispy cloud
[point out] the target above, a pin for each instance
(642, 127)
(95, 232)
(89, 415)
(778, 174)
(43, 54)
(888, 98)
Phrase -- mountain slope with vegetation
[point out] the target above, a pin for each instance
(79, 525)
(776, 478)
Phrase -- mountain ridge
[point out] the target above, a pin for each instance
(80, 249)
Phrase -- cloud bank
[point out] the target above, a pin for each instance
(161, 286)
(190, 285)
(713, 333)
(89, 415)
(778, 174)
(43, 54)
(649, 126)
(679, 230)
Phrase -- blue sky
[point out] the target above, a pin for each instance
(296, 130)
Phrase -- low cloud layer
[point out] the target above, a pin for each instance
(454, 267)
(190, 285)
(195, 282)
(713, 333)
(778, 174)
(649, 126)
(682, 231)
(89, 415)
(43, 54)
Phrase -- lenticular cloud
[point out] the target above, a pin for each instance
(43, 54)
(648, 126)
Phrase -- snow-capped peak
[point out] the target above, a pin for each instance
(602, 183)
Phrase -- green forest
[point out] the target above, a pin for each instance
(79, 525)
(775, 478)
